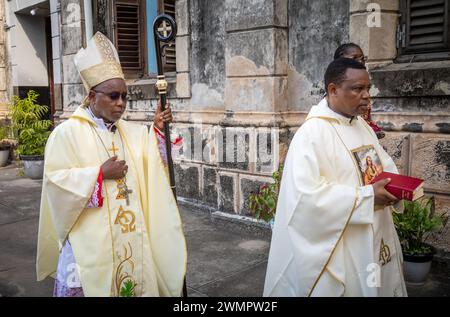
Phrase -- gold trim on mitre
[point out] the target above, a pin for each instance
(105, 47)
(98, 62)
(99, 73)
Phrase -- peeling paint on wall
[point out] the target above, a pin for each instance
(241, 64)
(302, 94)
(374, 91)
(205, 97)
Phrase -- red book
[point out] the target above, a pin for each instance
(401, 186)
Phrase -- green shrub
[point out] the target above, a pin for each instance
(29, 127)
(415, 225)
(263, 204)
(5, 133)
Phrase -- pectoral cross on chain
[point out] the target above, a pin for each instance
(121, 184)
(113, 149)
(127, 191)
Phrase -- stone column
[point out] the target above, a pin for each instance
(72, 40)
(183, 43)
(256, 67)
(373, 26)
(256, 55)
(3, 65)
(55, 20)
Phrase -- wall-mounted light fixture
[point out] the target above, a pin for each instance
(7, 27)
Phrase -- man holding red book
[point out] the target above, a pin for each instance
(333, 233)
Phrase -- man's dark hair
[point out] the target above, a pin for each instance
(336, 70)
(341, 50)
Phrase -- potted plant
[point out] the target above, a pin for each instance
(414, 226)
(31, 131)
(5, 145)
(264, 204)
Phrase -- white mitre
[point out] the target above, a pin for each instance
(98, 62)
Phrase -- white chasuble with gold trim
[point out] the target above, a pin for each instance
(134, 244)
(329, 239)
(130, 247)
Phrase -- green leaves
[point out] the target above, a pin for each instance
(3, 132)
(416, 223)
(28, 125)
(263, 205)
(127, 289)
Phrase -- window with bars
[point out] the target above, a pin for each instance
(424, 30)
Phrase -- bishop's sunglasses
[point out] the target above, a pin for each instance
(114, 96)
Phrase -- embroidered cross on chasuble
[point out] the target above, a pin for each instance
(127, 224)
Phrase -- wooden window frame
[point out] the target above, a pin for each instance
(408, 52)
(141, 71)
(106, 23)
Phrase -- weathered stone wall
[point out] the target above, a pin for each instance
(261, 62)
(72, 39)
(249, 71)
(207, 54)
(316, 29)
(238, 63)
(412, 103)
(4, 69)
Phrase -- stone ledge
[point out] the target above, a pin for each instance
(142, 89)
(408, 80)
(413, 122)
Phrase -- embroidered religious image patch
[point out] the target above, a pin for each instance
(369, 163)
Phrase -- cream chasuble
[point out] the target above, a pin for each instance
(135, 240)
(329, 239)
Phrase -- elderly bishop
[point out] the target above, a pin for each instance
(109, 224)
